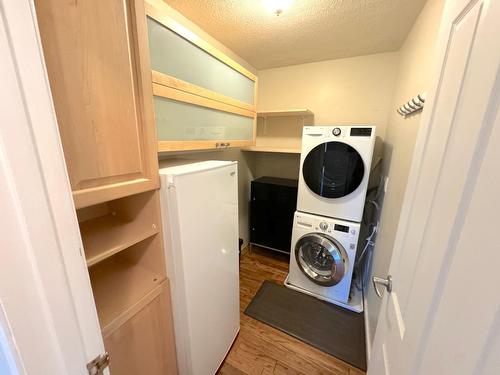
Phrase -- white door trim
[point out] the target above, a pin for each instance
(450, 153)
(50, 309)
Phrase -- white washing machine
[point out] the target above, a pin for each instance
(322, 258)
(334, 170)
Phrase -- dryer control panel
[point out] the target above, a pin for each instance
(339, 131)
(361, 132)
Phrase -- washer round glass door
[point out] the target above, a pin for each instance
(322, 259)
(333, 169)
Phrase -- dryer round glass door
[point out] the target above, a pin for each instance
(333, 169)
(322, 259)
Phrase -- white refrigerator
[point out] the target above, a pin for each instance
(200, 224)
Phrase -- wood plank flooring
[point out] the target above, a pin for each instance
(261, 349)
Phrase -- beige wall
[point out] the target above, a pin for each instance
(276, 165)
(413, 78)
(353, 90)
(356, 90)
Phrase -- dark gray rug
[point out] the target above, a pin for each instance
(329, 328)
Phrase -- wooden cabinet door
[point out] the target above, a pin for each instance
(98, 66)
(136, 347)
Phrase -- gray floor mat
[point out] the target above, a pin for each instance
(330, 328)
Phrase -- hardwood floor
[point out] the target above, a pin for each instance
(261, 349)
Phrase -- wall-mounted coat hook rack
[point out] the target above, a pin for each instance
(413, 105)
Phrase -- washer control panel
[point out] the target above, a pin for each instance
(341, 228)
(323, 224)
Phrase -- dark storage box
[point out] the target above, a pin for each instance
(272, 206)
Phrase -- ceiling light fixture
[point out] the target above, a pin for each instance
(277, 6)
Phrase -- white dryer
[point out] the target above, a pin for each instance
(322, 257)
(334, 170)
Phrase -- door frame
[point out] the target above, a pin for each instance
(50, 314)
(427, 122)
(415, 169)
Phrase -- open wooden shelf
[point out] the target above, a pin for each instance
(109, 228)
(285, 113)
(127, 314)
(124, 249)
(107, 235)
(280, 131)
(121, 281)
(272, 149)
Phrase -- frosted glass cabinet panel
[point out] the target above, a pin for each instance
(203, 99)
(175, 56)
(177, 120)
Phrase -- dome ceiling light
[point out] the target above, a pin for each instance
(277, 6)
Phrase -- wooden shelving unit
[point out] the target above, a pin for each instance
(273, 149)
(112, 164)
(285, 113)
(112, 227)
(123, 247)
(280, 131)
(122, 281)
(108, 235)
(114, 325)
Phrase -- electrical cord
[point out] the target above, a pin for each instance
(358, 265)
(370, 243)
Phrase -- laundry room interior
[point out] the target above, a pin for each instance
(365, 90)
(242, 187)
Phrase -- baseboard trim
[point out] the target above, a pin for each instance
(368, 340)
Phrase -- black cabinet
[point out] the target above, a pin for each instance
(272, 206)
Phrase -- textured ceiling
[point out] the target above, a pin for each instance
(311, 30)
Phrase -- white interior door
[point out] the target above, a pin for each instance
(48, 320)
(442, 316)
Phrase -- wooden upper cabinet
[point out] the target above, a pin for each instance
(203, 99)
(98, 65)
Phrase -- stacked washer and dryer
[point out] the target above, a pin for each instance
(334, 171)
